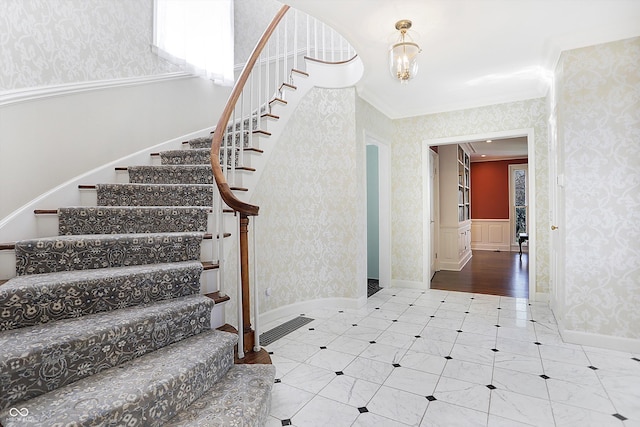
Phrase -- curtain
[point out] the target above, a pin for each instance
(198, 35)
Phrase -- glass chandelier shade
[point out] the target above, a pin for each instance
(403, 54)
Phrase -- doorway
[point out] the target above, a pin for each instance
(378, 184)
(429, 248)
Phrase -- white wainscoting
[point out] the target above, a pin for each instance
(490, 235)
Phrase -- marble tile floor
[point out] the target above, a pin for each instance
(440, 358)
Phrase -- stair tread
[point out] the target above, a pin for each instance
(150, 389)
(241, 398)
(48, 356)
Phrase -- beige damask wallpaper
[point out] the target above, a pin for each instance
(308, 228)
(52, 42)
(599, 131)
(407, 216)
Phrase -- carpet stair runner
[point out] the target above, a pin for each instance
(105, 323)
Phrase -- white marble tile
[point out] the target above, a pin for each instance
(413, 381)
(391, 306)
(375, 323)
(526, 333)
(348, 345)
(496, 421)
(592, 397)
(420, 320)
(463, 393)
(427, 344)
(273, 422)
(627, 405)
(315, 337)
(350, 390)
(369, 370)
(518, 362)
(619, 382)
(283, 365)
(480, 327)
(563, 354)
(331, 327)
(384, 353)
(455, 305)
(513, 322)
(439, 334)
(444, 323)
(385, 314)
(614, 363)
(468, 371)
(519, 382)
(331, 360)
(525, 348)
(398, 405)
(432, 303)
(403, 299)
(287, 400)
(424, 362)
(396, 339)
(322, 412)
(521, 408)
(444, 313)
(362, 333)
(571, 416)
(295, 350)
(571, 373)
(369, 419)
(309, 378)
(468, 353)
(443, 414)
(406, 328)
(476, 340)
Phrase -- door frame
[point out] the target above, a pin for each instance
(514, 133)
(384, 207)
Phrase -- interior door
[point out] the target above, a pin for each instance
(556, 217)
(434, 210)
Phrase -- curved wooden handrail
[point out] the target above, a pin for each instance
(221, 181)
(346, 61)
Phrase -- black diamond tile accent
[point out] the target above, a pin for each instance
(395, 320)
(372, 342)
(339, 373)
(442, 301)
(410, 305)
(340, 311)
(271, 352)
(636, 359)
(537, 343)
(497, 326)
(286, 422)
(448, 357)
(459, 330)
(466, 312)
(418, 336)
(431, 398)
(592, 367)
(396, 365)
(532, 321)
(277, 381)
(499, 308)
(312, 329)
(432, 316)
(495, 350)
(620, 417)
(323, 348)
(491, 387)
(543, 376)
(363, 410)
(472, 298)
(377, 308)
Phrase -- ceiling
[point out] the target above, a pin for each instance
(474, 52)
(497, 149)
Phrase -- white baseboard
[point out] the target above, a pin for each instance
(602, 341)
(408, 284)
(297, 308)
(540, 297)
(490, 247)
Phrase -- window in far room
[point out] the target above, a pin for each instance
(196, 34)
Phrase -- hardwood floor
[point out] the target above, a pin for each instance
(495, 273)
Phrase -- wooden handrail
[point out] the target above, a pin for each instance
(221, 181)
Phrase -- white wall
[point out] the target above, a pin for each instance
(598, 130)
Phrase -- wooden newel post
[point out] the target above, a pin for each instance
(244, 271)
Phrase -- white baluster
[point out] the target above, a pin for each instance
(239, 287)
(256, 294)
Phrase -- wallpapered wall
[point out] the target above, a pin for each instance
(407, 213)
(51, 42)
(308, 228)
(598, 129)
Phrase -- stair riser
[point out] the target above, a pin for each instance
(91, 220)
(46, 365)
(67, 254)
(150, 195)
(29, 300)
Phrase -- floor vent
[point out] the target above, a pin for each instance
(286, 328)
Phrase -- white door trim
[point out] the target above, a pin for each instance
(529, 133)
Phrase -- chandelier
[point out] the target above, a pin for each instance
(403, 54)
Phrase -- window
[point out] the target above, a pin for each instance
(198, 35)
(519, 199)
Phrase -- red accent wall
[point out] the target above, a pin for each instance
(490, 189)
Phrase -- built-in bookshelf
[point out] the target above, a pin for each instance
(455, 207)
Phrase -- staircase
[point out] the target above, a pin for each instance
(113, 320)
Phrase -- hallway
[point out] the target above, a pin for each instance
(494, 273)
